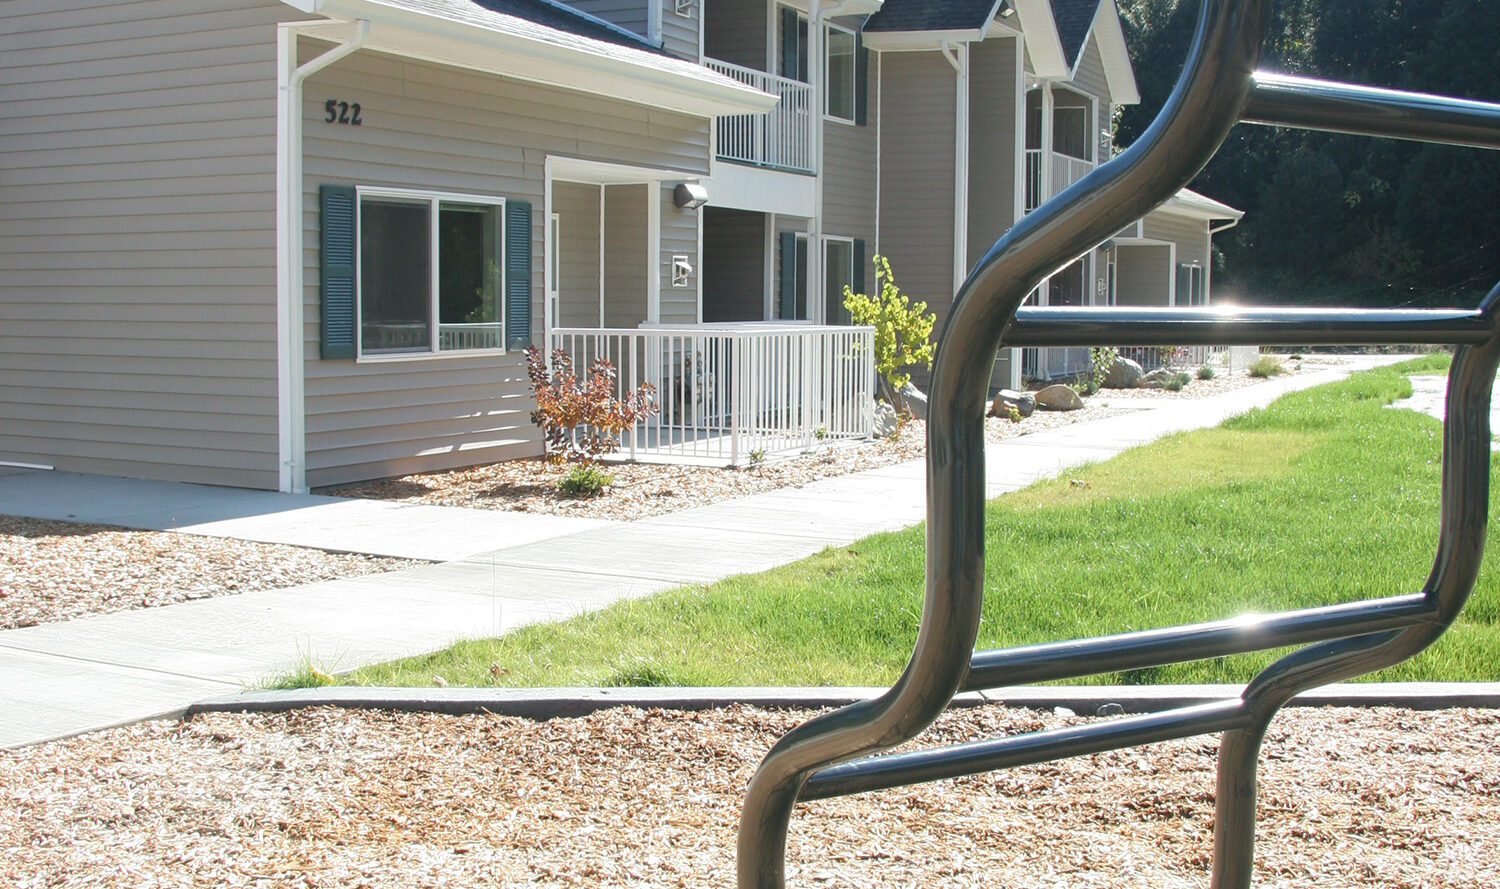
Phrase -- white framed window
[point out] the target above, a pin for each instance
(839, 74)
(431, 273)
(838, 272)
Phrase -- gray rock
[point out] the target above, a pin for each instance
(914, 401)
(1158, 376)
(1062, 711)
(1110, 710)
(1058, 398)
(1023, 403)
(1123, 374)
(885, 420)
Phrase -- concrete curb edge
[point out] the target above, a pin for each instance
(552, 703)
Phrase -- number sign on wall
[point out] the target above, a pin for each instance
(337, 111)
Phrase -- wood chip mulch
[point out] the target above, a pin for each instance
(52, 571)
(640, 490)
(629, 798)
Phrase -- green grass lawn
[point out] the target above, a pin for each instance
(1323, 497)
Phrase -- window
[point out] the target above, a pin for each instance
(791, 299)
(1191, 290)
(792, 42)
(838, 271)
(430, 273)
(841, 74)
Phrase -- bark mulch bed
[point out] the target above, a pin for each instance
(325, 798)
(640, 490)
(52, 571)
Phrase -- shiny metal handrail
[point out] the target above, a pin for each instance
(1218, 88)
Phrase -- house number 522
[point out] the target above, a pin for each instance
(335, 111)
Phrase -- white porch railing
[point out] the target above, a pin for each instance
(734, 393)
(780, 139)
(1225, 358)
(1066, 170)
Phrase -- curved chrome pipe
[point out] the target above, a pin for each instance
(1207, 101)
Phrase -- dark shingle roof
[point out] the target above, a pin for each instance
(932, 15)
(554, 14)
(1073, 19)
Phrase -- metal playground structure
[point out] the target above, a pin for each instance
(839, 753)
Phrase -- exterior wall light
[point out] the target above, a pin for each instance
(689, 195)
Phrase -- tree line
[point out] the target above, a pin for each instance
(1345, 220)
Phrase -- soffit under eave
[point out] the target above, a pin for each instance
(600, 69)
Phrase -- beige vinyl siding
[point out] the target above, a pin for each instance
(679, 33)
(849, 152)
(734, 285)
(1190, 235)
(993, 94)
(628, 14)
(916, 171)
(442, 129)
(625, 255)
(577, 209)
(735, 31)
(1143, 275)
(679, 237)
(137, 237)
(1088, 75)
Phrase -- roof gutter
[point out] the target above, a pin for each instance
(291, 413)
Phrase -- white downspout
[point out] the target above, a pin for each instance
(291, 358)
(958, 57)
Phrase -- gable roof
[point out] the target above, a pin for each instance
(1057, 36)
(543, 42)
(1073, 19)
(932, 15)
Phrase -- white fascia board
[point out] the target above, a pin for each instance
(832, 8)
(914, 41)
(1109, 36)
(741, 187)
(587, 66)
(303, 6)
(1191, 204)
(1047, 58)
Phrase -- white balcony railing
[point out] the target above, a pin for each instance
(734, 393)
(780, 139)
(1066, 170)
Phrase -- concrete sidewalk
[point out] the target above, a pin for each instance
(64, 678)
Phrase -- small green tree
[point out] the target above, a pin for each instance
(903, 331)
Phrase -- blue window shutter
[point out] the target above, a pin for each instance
(858, 284)
(786, 292)
(517, 274)
(337, 205)
(789, 43)
(861, 79)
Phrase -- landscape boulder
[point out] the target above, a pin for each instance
(915, 401)
(1157, 379)
(1022, 402)
(1123, 374)
(885, 420)
(1058, 397)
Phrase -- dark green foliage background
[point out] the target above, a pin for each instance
(1345, 220)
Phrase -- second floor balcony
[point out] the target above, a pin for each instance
(1049, 175)
(779, 140)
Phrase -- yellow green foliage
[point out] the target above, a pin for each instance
(903, 329)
